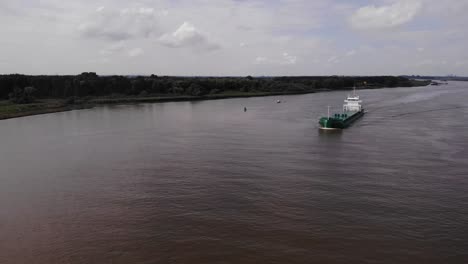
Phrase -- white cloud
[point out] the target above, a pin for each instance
(188, 36)
(350, 53)
(427, 62)
(261, 60)
(284, 59)
(135, 52)
(461, 63)
(100, 61)
(118, 49)
(120, 24)
(289, 59)
(333, 59)
(113, 48)
(384, 17)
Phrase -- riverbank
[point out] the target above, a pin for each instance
(10, 110)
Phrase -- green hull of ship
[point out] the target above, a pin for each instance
(340, 121)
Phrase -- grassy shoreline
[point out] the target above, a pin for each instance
(45, 106)
(9, 110)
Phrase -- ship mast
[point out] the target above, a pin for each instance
(328, 112)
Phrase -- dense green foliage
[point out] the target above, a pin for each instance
(22, 95)
(18, 89)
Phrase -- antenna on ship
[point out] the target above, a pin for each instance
(328, 112)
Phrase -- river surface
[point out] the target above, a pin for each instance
(206, 182)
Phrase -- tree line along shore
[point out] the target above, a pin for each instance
(22, 95)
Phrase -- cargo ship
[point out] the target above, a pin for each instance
(352, 110)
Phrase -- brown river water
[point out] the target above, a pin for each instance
(206, 182)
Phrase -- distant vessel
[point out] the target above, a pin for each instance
(278, 102)
(352, 110)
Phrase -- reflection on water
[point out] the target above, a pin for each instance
(330, 135)
(206, 182)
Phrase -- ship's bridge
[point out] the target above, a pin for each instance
(352, 104)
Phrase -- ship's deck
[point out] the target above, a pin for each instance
(343, 116)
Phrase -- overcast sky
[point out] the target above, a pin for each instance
(234, 37)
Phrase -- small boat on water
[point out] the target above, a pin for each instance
(352, 110)
(278, 102)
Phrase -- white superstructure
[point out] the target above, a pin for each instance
(352, 103)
